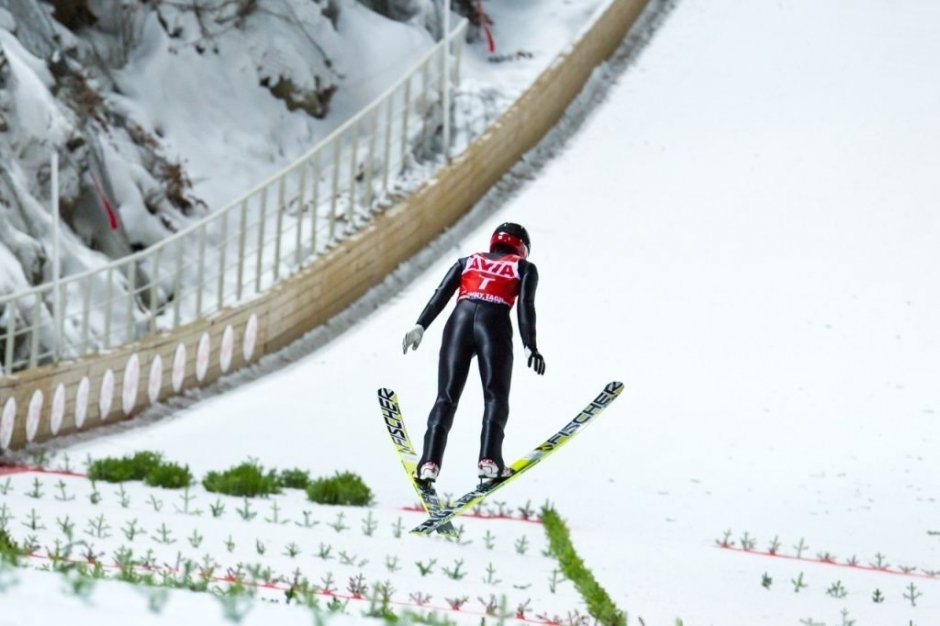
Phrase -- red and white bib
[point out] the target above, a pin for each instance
(491, 281)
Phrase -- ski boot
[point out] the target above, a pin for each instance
(428, 472)
(489, 470)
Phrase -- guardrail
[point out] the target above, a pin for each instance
(244, 248)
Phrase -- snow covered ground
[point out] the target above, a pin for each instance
(745, 233)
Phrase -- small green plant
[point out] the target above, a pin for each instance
(95, 496)
(798, 583)
(426, 568)
(63, 495)
(748, 543)
(164, 535)
(339, 524)
(369, 525)
(308, 522)
(766, 581)
(912, 594)
(131, 529)
(455, 572)
(67, 526)
(774, 546)
(169, 476)
(522, 545)
(245, 512)
(292, 550)
(123, 496)
(248, 479)
(877, 597)
(881, 562)
(490, 578)
(36, 492)
(98, 528)
(217, 509)
(34, 522)
(801, 548)
(837, 590)
(343, 488)
(489, 540)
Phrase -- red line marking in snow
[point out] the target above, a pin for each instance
(105, 203)
(23, 469)
(511, 518)
(864, 568)
(275, 586)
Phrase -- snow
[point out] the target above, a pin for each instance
(743, 229)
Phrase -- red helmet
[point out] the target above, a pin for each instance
(511, 236)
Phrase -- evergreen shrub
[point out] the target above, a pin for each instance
(599, 604)
(248, 479)
(343, 488)
(9, 550)
(294, 479)
(119, 470)
(169, 476)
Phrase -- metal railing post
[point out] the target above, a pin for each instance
(353, 175)
(263, 218)
(220, 301)
(425, 87)
(388, 143)
(154, 282)
(406, 111)
(279, 227)
(178, 284)
(370, 159)
(301, 198)
(34, 343)
(131, 288)
(107, 310)
(315, 204)
(445, 90)
(56, 258)
(200, 271)
(11, 311)
(337, 150)
(242, 234)
(86, 314)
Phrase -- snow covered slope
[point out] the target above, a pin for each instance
(745, 233)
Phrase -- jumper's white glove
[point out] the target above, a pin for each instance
(412, 338)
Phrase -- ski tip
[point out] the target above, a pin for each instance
(385, 392)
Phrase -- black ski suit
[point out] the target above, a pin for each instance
(483, 329)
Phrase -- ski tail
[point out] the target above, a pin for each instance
(568, 432)
(398, 433)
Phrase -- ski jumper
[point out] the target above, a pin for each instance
(488, 284)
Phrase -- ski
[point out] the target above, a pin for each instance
(395, 424)
(443, 516)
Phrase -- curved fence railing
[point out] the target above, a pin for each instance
(244, 248)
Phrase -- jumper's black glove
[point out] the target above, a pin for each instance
(536, 361)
